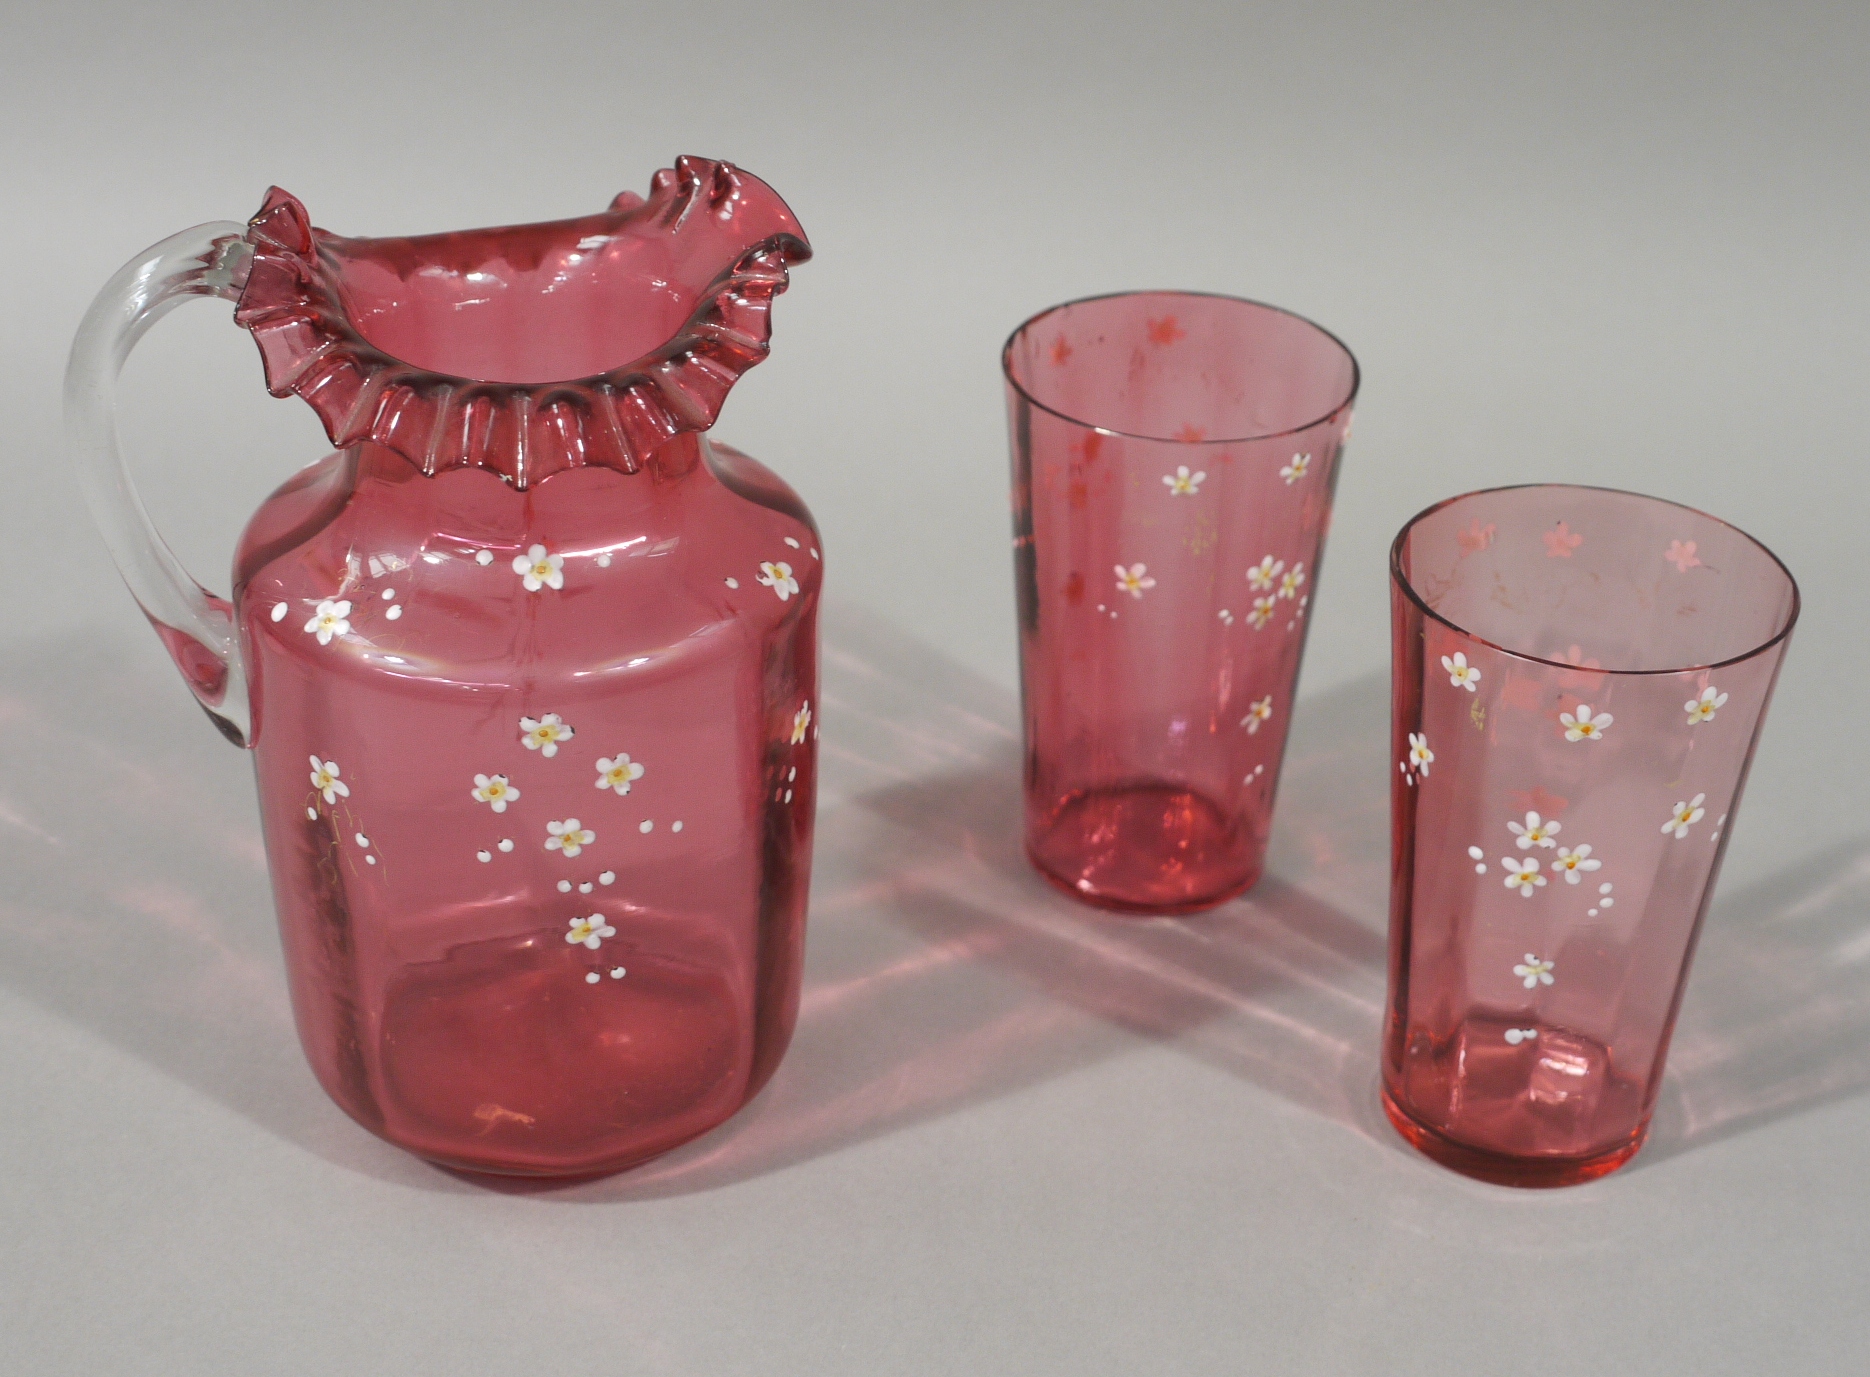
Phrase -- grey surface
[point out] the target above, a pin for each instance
(1565, 242)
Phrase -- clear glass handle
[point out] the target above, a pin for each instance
(197, 627)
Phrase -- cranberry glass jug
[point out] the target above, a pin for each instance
(528, 666)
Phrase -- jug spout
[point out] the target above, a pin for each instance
(527, 349)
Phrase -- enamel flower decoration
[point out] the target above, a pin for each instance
(777, 575)
(801, 723)
(1536, 832)
(1534, 972)
(1420, 756)
(539, 570)
(1522, 875)
(1460, 673)
(1570, 863)
(1681, 553)
(331, 619)
(1585, 726)
(1293, 581)
(542, 734)
(1685, 816)
(1182, 483)
(569, 837)
(1265, 574)
(618, 773)
(1257, 712)
(589, 932)
(1702, 709)
(1134, 579)
(1296, 469)
(1262, 612)
(494, 791)
(325, 780)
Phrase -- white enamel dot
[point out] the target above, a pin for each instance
(484, 558)
(609, 877)
(676, 826)
(617, 972)
(793, 543)
(483, 856)
(788, 796)
(506, 843)
(564, 886)
(792, 774)
(368, 857)
(733, 583)
(585, 888)
(592, 978)
(363, 841)
(389, 595)
(279, 611)
(814, 552)
(312, 813)
(1475, 853)
(396, 610)
(646, 826)
(603, 561)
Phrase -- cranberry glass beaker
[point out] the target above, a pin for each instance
(1580, 676)
(1174, 456)
(528, 666)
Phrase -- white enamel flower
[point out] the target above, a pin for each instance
(801, 723)
(331, 619)
(618, 772)
(1420, 756)
(1262, 612)
(590, 932)
(1585, 726)
(1523, 875)
(1534, 971)
(1686, 815)
(1293, 581)
(1460, 673)
(1265, 574)
(569, 837)
(1570, 863)
(1536, 832)
(1257, 712)
(494, 791)
(325, 780)
(778, 577)
(1296, 469)
(1134, 579)
(1702, 709)
(537, 569)
(542, 734)
(1182, 483)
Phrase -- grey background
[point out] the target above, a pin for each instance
(1566, 241)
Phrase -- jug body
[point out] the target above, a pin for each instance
(536, 771)
(528, 666)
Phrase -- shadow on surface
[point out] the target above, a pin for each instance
(136, 904)
(1777, 1016)
(942, 972)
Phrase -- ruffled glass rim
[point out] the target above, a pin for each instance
(525, 432)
